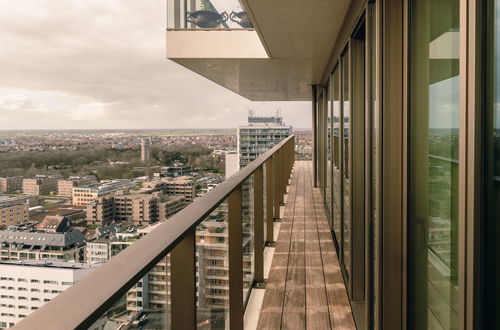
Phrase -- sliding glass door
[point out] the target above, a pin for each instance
(433, 164)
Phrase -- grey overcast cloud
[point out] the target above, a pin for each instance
(101, 64)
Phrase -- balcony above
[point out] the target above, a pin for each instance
(262, 50)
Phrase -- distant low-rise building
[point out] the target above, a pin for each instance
(65, 187)
(20, 244)
(13, 214)
(26, 285)
(137, 208)
(85, 195)
(54, 224)
(177, 169)
(41, 184)
(11, 184)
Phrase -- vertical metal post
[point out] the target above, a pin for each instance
(269, 202)
(235, 260)
(177, 14)
(281, 177)
(276, 187)
(258, 228)
(183, 288)
(314, 135)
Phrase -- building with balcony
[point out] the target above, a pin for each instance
(394, 223)
(180, 186)
(13, 214)
(261, 134)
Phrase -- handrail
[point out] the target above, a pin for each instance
(83, 303)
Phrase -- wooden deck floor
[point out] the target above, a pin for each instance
(305, 289)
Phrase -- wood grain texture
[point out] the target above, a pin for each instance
(305, 289)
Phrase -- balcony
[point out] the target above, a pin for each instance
(292, 264)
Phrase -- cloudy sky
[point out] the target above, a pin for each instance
(101, 64)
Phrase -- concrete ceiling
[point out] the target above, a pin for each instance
(298, 37)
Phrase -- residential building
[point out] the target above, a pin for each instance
(177, 169)
(54, 224)
(180, 186)
(28, 244)
(26, 285)
(41, 185)
(139, 208)
(261, 134)
(65, 187)
(85, 195)
(12, 214)
(98, 251)
(11, 184)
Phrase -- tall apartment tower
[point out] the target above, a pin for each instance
(145, 150)
(259, 135)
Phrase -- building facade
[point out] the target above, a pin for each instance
(12, 214)
(65, 187)
(26, 285)
(85, 195)
(261, 134)
(41, 185)
(145, 150)
(11, 184)
(180, 186)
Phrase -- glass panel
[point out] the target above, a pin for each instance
(328, 192)
(147, 304)
(337, 180)
(492, 245)
(434, 136)
(247, 237)
(213, 270)
(346, 168)
(206, 14)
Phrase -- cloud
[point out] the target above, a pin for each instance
(109, 58)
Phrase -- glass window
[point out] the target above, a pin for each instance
(492, 232)
(346, 168)
(328, 192)
(434, 139)
(337, 180)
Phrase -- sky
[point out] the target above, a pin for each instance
(99, 64)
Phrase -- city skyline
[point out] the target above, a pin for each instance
(64, 67)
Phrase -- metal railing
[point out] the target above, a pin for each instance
(82, 304)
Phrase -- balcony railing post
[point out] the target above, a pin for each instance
(235, 260)
(258, 195)
(276, 187)
(269, 202)
(183, 279)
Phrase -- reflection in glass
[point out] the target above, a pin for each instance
(247, 238)
(337, 180)
(434, 126)
(492, 245)
(213, 270)
(328, 192)
(346, 168)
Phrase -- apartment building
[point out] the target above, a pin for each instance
(261, 134)
(180, 186)
(85, 195)
(33, 245)
(12, 214)
(41, 184)
(26, 285)
(139, 208)
(65, 187)
(177, 169)
(11, 184)
(98, 251)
